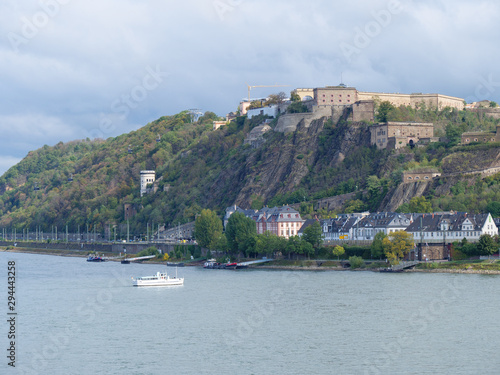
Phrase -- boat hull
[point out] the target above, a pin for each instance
(171, 282)
(160, 279)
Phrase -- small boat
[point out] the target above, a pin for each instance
(125, 261)
(391, 270)
(230, 265)
(160, 279)
(169, 264)
(211, 264)
(96, 258)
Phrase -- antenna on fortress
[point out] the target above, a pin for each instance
(342, 84)
(195, 114)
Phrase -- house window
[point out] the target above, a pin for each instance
(426, 177)
(410, 178)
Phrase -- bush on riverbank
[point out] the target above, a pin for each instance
(326, 252)
(356, 262)
(477, 265)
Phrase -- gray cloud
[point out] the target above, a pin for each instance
(68, 66)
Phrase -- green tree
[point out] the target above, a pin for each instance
(420, 205)
(208, 229)
(266, 243)
(493, 208)
(240, 232)
(454, 133)
(293, 246)
(221, 244)
(338, 251)
(354, 206)
(377, 246)
(294, 97)
(493, 104)
(383, 111)
(397, 245)
(306, 248)
(297, 107)
(313, 234)
(486, 245)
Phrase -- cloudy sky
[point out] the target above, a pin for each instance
(72, 69)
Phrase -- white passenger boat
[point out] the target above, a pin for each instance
(160, 279)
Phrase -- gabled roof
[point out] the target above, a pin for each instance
(340, 225)
(455, 221)
(306, 224)
(385, 220)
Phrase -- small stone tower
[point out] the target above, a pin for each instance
(147, 177)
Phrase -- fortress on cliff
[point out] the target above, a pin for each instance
(358, 106)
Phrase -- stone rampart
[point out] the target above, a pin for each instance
(288, 123)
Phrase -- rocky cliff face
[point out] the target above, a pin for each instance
(280, 167)
(284, 160)
(402, 194)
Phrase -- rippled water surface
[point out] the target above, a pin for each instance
(76, 317)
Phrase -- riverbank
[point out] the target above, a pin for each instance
(64, 253)
(474, 267)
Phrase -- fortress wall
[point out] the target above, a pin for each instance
(394, 99)
(288, 123)
(363, 111)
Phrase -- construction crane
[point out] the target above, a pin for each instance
(251, 87)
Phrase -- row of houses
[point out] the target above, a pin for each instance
(444, 227)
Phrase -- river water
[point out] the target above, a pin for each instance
(76, 317)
